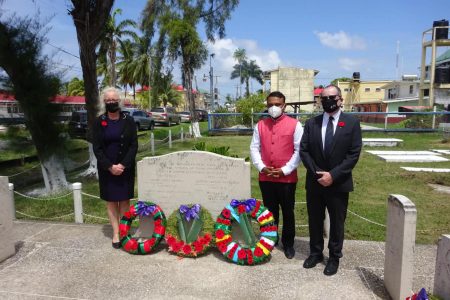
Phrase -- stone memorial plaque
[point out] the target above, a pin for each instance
(400, 245)
(189, 177)
(7, 244)
(442, 270)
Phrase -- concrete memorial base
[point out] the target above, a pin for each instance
(437, 170)
(408, 156)
(412, 158)
(381, 142)
(7, 248)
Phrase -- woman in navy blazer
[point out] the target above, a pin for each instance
(115, 146)
(329, 174)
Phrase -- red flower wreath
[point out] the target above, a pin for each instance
(198, 246)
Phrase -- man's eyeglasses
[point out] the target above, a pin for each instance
(331, 97)
(111, 100)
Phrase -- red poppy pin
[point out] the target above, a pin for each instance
(341, 124)
(104, 123)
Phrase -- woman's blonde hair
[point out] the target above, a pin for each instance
(101, 103)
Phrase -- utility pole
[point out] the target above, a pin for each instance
(211, 82)
(149, 79)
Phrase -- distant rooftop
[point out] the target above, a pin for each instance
(443, 57)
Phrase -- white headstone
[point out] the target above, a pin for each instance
(7, 244)
(442, 270)
(185, 177)
(400, 245)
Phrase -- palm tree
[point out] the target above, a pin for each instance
(166, 93)
(240, 54)
(75, 87)
(111, 37)
(140, 66)
(246, 71)
(125, 64)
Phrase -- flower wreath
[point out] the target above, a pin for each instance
(257, 250)
(142, 209)
(198, 239)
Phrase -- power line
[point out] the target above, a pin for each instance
(65, 51)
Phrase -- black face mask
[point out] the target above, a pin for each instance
(112, 107)
(329, 105)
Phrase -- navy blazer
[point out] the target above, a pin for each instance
(128, 143)
(344, 153)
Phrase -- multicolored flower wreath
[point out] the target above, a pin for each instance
(257, 250)
(142, 209)
(186, 238)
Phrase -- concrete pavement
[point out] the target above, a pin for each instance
(69, 261)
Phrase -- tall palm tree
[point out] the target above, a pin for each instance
(140, 66)
(111, 37)
(240, 55)
(246, 71)
(125, 64)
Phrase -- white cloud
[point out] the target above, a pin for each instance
(224, 49)
(350, 64)
(341, 40)
(223, 63)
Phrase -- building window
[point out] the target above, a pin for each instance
(345, 90)
(378, 90)
(350, 89)
(426, 93)
(367, 90)
(411, 89)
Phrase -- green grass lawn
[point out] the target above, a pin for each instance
(374, 181)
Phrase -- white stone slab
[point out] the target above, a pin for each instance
(185, 177)
(409, 153)
(442, 151)
(437, 170)
(442, 270)
(381, 142)
(6, 241)
(412, 158)
(440, 188)
(400, 246)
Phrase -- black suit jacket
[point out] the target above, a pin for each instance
(344, 154)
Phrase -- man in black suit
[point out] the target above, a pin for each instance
(329, 149)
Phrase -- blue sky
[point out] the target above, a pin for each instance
(334, 37)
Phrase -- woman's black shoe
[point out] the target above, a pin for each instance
(116, 245)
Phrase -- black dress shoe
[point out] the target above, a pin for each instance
(289, 252)
(332, 267)
(312, 261)
(116, 245)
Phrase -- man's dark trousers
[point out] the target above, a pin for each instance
(276, 194)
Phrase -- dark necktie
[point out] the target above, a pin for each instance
(328, 136)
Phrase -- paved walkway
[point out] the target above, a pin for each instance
(68, 261)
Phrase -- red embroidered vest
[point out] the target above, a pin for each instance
(277, 145)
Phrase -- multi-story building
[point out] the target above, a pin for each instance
(296, 84)
(363, 95)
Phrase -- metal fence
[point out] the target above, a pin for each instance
(433, 121)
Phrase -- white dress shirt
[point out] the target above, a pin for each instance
(326, 117)
(291, 165)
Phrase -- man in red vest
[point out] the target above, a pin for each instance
(275, 150)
